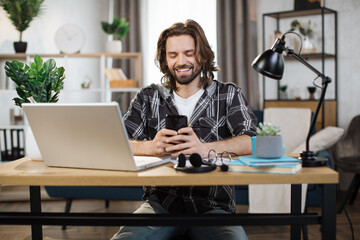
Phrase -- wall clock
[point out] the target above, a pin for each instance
(69, 38)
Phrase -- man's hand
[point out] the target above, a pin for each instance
(155, 147)
(186, 142)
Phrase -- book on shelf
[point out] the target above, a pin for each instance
(252, 164)
(115, 74)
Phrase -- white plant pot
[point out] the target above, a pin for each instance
(32, 149)
(114, 46)
(307, 44)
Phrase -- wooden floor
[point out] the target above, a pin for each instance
(15, 200)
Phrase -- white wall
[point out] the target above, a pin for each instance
(87, 14)
(155, 23)
(348, 52)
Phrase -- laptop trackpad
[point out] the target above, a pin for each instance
(147, 161)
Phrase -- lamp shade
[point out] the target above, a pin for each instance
(270, 63)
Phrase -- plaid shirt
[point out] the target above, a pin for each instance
(220, 113)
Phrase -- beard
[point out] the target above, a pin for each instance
(185, 79)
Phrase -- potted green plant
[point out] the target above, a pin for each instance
(39, 82)
(307, 32)
(118, 29)
(283, 94)
(21, 13)
(268, 141)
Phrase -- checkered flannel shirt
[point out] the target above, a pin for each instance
(146, 116)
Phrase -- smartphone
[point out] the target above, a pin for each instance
(175, 122)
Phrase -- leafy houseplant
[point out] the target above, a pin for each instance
(118, 29)
(39, 82)
(282, 89)
(268, 141)
(307, 32)
(21, 13)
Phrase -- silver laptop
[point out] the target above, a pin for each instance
(84, 135)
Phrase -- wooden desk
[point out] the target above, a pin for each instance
(36, 174)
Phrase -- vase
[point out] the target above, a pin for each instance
(32, 149)
(114, 46)
(311, 92)
(308, 46)
(269, 147)
(283, 95)
(20, 47)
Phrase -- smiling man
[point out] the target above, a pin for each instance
(219, 119)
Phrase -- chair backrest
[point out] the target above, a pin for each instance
(294, 122)
(349, 144)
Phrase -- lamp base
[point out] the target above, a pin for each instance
(310, 160)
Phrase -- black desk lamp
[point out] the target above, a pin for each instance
(271, 64)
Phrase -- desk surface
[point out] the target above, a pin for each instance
(28, 172)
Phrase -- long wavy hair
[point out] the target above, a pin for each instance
(204, 55)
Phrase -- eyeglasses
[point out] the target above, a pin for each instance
(218, 158)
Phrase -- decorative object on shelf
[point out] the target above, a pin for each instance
(21, 13)
(16, 116)
(282, 92)
(312, 92)
(307, 4)
(39, 82)
(271, 64)
(118, 29)
(69, 38)
(118, 79)
(268, 144)
(307, 32)
(86, 84)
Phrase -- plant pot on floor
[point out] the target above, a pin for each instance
(20, 47)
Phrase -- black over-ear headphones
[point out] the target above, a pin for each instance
(198, 165)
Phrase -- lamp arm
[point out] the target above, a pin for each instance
(325, 81)
(300, 59)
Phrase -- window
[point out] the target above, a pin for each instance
(158, 15)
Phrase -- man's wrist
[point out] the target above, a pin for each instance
(141, 147)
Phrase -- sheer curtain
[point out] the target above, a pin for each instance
(237, 46)
(129, 9)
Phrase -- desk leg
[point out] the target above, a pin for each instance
(295, 210)
(329, 212)
(35, 207)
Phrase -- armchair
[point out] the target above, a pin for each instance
(346, 154)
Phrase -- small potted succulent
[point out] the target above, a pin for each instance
(282, 92)
(21, 13)
(39, 82)
(268, 141)
(118, 29)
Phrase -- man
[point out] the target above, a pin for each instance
(219, 119)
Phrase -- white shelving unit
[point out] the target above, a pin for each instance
(100, 84)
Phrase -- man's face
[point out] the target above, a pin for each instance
(181, 59)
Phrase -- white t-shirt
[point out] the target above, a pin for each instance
(186, 106)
